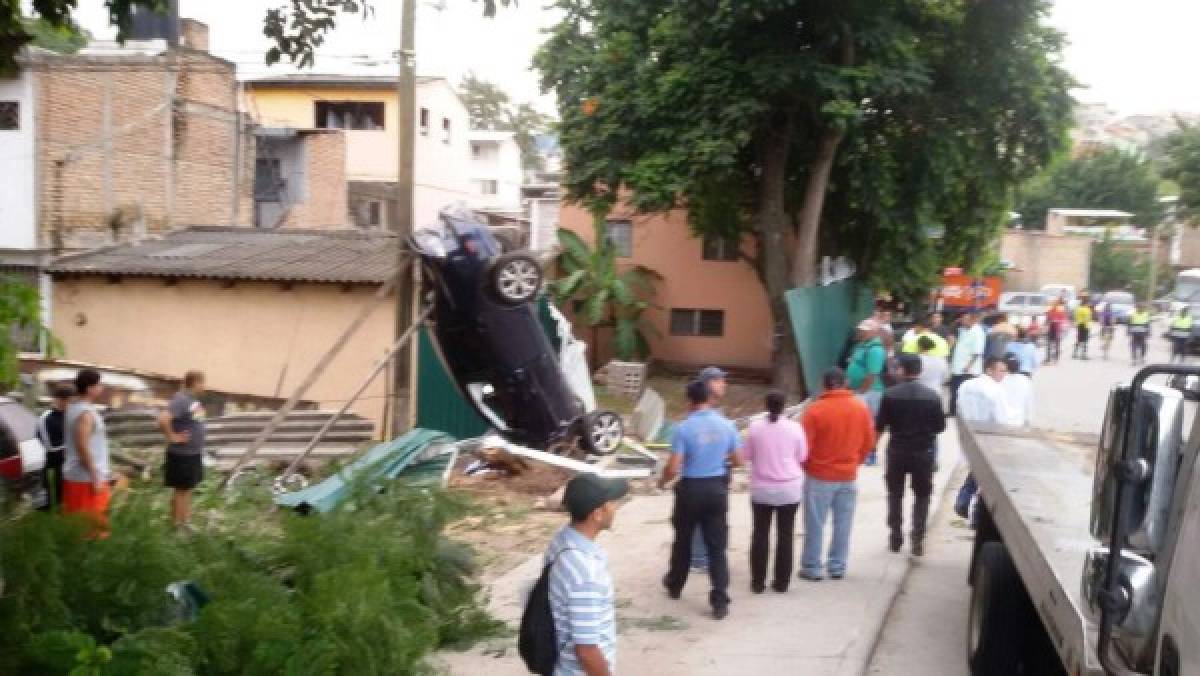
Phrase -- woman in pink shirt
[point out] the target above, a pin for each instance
(775, 449)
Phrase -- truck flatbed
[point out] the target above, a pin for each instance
(1038, 491)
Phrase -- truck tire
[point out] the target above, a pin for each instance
(998, 612)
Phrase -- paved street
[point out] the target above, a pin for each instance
(1071, 396)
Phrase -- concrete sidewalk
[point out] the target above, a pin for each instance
(816, 628)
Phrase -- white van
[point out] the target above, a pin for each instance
(1065, 292)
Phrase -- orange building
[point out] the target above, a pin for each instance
(712, 309)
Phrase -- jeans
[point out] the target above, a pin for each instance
(699, 551)
(702, 503)
(899, 466)
(759, 545)
(819, 498)
(962, 503)
(873, 399)
(1138, 346)
(956, 382)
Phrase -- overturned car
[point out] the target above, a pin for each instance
(493, 345)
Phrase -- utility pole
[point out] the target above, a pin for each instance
(406, 100)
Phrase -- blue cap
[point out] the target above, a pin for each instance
(711, 373)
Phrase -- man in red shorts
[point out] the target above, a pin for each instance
(86, 473)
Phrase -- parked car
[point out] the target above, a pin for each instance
(22, 456)
(489, 337)
(1023, 304)
(1122, 303)
(1064, 292)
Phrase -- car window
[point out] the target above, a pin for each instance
(1037, 300)
(1017, 299)
(1119, 298)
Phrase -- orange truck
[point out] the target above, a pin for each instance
(964, 292)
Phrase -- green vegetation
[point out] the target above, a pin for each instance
(20, 327)
(1183, 167)
(1107, 179)
(1113, 267)
(370, 588)
(607, 295)
(816, 128)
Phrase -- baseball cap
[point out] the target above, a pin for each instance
(586, 492)
(711, 373)
(867, 325)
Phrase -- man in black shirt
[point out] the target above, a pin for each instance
(913, 414)
(51, 434)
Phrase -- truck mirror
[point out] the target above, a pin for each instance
(1135, 601)
(1156, 432)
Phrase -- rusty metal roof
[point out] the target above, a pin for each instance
(210, 252)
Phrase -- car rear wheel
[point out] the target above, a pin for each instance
(516, 278)
(998, 612)
(603, 432)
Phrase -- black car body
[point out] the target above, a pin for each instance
(494, 347)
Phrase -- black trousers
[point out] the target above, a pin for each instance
(956, 381)
(760, 544)
(1137, 345)
(902, 464)
(702, 503)
(52, 481)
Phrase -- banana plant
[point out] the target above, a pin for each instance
(606, 294)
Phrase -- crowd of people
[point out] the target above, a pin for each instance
(78, 476)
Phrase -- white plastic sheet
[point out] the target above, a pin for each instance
(572, 359)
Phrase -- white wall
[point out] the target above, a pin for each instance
(499, 160)
(442, 165)
(18, 209)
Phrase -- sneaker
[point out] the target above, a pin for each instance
(720, 612)
(758, 588)
(895, 542)
(780, 587)
(673, 594)
(962, 510)
(811, 577)
(918, 548)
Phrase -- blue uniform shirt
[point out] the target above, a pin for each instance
(705, 438)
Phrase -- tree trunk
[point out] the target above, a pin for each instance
(804, 257)
(774, 235)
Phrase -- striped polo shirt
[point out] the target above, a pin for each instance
(581, 600)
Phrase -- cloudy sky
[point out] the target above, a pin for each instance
(1135, 56)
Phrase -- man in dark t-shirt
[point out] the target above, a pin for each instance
(51, 433)
(182, 424)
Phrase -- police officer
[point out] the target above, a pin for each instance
(1181, 334)
(1139, 328)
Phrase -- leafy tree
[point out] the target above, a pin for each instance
(490, 108)
(1183, 167)
(1116, 268)
(297, 28)
(902, 116)
(607, 296)
(20, 323)
(66, 39)
(1108, 179)
(487, 104)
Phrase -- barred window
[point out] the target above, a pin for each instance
(693, 322)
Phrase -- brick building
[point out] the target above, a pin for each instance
(300, 178)
(117, 142)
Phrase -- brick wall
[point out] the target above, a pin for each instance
(324, 203)
(135, 144)
(1042, 259)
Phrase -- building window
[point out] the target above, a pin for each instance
(269, 184)
(689, 322)
(620, 235)
(10, 115)
(349, 115)
(445, 130)
(424, 122)
(477, 150)
(489, 186)
(373, 213)
(720, 248)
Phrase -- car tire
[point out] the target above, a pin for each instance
(516, 278)
(602, 432)
(998, 613)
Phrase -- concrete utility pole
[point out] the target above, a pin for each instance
(406, 99)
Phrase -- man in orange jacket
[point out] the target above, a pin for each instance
(841, 435)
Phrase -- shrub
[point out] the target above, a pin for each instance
(370, 588)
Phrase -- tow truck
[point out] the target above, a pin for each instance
(1086, 565)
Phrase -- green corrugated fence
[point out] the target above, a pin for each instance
(822, 317)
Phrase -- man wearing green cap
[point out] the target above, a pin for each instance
(580, 586)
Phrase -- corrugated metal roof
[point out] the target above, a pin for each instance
(208, 252)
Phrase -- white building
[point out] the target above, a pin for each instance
(496, 174)
(18, 164)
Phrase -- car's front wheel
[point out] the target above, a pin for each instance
(603, 432)
(516, 278)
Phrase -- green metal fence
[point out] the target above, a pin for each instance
(822, 317)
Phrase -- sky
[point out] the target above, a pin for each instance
(1138, 57)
